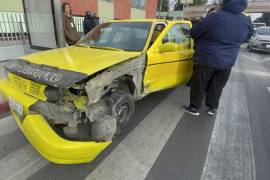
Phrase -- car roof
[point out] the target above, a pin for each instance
(266, 27)
(149, 20)
(258, 23)
(137, 20)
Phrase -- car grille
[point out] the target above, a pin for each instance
(27, 86)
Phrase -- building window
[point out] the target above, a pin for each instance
(138, 4)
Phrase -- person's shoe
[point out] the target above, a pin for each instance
(211, 112)
(191, 110)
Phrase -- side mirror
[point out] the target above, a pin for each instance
(168, 47)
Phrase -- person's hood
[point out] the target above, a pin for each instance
(235, 6)
(80, 59)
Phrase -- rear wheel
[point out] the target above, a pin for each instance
(122, 109)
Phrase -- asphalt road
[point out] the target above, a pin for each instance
(162, 142)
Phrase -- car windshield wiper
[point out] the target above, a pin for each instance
(99, 47)
(81, 45)
(105, 47)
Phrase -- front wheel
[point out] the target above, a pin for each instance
(122, 108)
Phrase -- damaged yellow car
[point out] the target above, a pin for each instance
(72, 102)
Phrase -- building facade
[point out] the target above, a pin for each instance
(116, 9)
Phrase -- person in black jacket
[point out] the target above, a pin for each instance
(88, 22)
(217, 47)
(96, 19)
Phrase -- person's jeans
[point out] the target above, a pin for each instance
(212, 79)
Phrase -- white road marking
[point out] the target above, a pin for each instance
(7, 125)
(252, 72)
(255, 57)
(268, 88)
(231, 154)
(133, 158)
(250, 57)
(21, 163)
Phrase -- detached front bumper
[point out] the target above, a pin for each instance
(49, 144)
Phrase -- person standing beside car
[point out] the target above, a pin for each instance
(87, 22)
(96, 19)
(70, 31)
(218, 39)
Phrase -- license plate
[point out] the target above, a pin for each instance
(268, 46)
(16, 107)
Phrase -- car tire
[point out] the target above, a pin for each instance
(122, 104)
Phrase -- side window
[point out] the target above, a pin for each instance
(157, 31)
(185, 27)
(174, 35)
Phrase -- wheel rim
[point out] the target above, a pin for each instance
(122, 113)
(122, 117)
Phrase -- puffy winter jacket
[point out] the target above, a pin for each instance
(218, 37)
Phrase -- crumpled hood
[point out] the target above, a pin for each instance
(235, 6)
(66, 66)
(80, 59)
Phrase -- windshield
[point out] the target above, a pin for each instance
(128, 36)
(263, 31)
(185, 29)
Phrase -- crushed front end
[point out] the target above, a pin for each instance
(51, 107)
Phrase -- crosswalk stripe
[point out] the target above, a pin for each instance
(230, 153)
(7, 125)
(133, 158)
(252, 72)
(21, 163)
(250, 58)
(268, 89)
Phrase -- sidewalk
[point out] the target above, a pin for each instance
(3, 105)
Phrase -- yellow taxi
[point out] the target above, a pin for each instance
(72, 102)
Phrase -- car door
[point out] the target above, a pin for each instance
(169, 60)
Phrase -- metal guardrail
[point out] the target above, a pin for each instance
(78, 20)
(13, 29)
